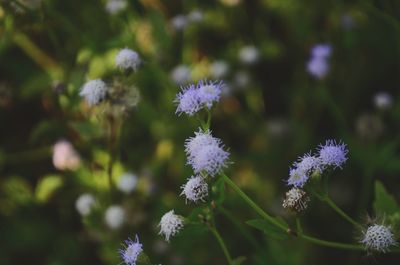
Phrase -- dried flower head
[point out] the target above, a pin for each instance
(195, 189)
(296, 200)
(131, 251)
(332, 154)
(378, 238)
(94, 91)
(127, 59)
(170, 224)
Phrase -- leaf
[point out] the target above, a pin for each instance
(268, 228)
(239, 260)
(47, 186)
(384, 203)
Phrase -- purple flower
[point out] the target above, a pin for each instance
(188, 101)
(131, 251)
(209, 92)
(318, 65)
(302, 169)
(333, 154)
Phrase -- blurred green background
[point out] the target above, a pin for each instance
(272, 111)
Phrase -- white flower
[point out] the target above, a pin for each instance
(195, 189)
(201, 138)
(127, 182)
(114, 216)
(195, 16)
(94, 91)
(296, 199)
(383, 100)
(179, 22)
(115, 6)
(65, 157)
(84, 204)
(378, 238)
(170, 224)
(219, 69)
(180, 74)
(249, 54)
(127, 58)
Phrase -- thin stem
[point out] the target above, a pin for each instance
(331, 244)
(299, 228)
(252, 204)
(222, 244)
(328, 200)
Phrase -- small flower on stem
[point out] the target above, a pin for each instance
(378, 238)
(195, 189)
(296, 200)
(170, 224)
(131, 251)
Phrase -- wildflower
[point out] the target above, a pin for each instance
(318, 65)
(249, 54)
(302, 169)
(180, 74)
(195, 16)
(127, 58)
(332, 154)
(170, 224)
(383, 100)
(84, 204)
(196, 189)
(65, 157)
(296, 199)
(219, 69)
(188, 101)
(378, 238)
(131, 251)
(201, 139)
(179, 22)
(127, 183)
(209, 92)
(114, 216)
(115, 6)
(210, 158)
(94, 91)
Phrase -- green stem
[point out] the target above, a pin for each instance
(222, 244)
(331, 244)
(252, 204)
(299, 228)
(328, 200)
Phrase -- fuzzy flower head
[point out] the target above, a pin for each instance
(333, 154)
(85, 203)
(318, 67)
(188, 101)
(378, 238)
(296, 200)
(321, 51)
(94, 91)
(201, 139)
(211, 159)
(302, 169)
(127, 58)
(196, 189)
(131, 251)
(170, 224)
(114, 216)
(209, 92)
(127, 183)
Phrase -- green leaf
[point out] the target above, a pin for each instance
(239, 260)
(268, 228)
(384, 203)
(47, 186)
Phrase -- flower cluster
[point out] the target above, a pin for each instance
(331, 154)
(195, 189)
(378, 238)
(205, 153)
(318, 65)
(193, 98)
(127, 59)
(94, 91)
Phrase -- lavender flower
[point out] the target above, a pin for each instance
(378, 238)
(201, 139)
(131, 251)
(170, 224)
(209, 92)
(196, 189)
(94, 91)
(302, 169)
(297, 177)
(127, 58)
(188, 101)
(332, 154)
(318, 65)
